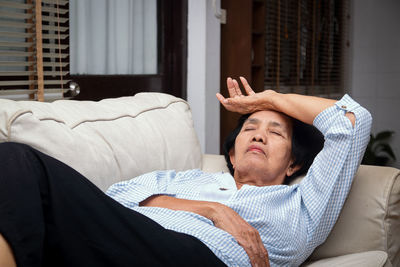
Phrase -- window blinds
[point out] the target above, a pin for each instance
(34, 52)
(306, 46)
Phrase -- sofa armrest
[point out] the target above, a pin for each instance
(214, 163)
(369, 220)
(366, 259)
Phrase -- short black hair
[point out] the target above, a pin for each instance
(307, 142)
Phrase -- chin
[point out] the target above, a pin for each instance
(252, 167)
(255, 161)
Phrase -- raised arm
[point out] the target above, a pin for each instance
(301, 107)
(328, 181)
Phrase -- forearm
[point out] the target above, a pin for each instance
(301, 107)
(203, 208)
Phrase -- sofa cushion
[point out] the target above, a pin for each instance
(214, 163)
(110, 140)
(364, 259)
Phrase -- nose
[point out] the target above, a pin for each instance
(259, 138)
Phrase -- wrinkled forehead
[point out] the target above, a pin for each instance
(271, 117)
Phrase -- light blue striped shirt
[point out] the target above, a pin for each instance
(292, 220)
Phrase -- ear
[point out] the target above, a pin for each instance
(232, 156)
(292, 169)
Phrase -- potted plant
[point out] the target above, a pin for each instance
(378, 151)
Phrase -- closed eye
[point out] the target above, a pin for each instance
(248, 129)
(276, 133)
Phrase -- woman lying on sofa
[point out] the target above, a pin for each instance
(50, 215)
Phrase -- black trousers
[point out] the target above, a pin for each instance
(53, 216)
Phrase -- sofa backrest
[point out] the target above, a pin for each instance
(110, 140)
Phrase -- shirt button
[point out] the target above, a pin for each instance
(343, 106)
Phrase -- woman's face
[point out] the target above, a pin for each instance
(262, 152)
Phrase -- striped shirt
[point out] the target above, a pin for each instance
(292, 220)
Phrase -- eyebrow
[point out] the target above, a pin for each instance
(275, 124)
(252, 121)
(257, 121)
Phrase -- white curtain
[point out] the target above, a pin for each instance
(113, 36)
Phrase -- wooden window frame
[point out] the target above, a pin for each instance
(45, 58)
(322, 36)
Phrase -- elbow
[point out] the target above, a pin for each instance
(362, 117)
(351, 117)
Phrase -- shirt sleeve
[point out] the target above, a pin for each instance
(328, 181)
(130, 193)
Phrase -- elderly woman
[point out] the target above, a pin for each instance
(191, 218)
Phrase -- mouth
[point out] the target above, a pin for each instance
(256, 149)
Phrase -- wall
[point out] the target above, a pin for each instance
(375, 79)
(204, 72)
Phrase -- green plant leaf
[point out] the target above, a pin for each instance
(371, 138)
(383, 135)
(385, 148)
(369, 158)
(378, 150)
(370, 144)
(381, 161)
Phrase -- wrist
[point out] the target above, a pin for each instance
(214, 210)
(152, 201)
(207, 209)
(277, 100)
(272, 100)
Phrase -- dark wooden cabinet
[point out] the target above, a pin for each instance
(242, 50)
(258, 45)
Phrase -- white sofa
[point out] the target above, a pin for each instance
(118, 139)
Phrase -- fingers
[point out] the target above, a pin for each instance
(251, 241)
(263, 256)
(257, 256)
(234, 88)
(237, 88)
(231, 87)
(247, 236)
(246, 86)
(236, 101)
(222, 99)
